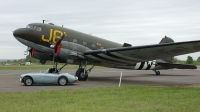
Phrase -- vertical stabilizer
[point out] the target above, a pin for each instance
(166, 40)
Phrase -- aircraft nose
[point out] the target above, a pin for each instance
(17, 33)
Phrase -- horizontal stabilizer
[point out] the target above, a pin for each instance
(178, 66)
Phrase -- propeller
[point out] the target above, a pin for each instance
(56, 48)
(29, 51)
(61, 38)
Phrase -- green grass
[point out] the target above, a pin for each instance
(41, 67)
(104, 99)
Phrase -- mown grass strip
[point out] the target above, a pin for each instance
(104, 99)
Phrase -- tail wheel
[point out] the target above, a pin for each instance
(80, 74)
(157, 73)
(28, 81)
(62, 81)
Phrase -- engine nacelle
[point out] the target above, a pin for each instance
(41, 56)
(69, 51)
(65, 52)
(74, 46)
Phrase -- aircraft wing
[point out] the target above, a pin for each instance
(134, 54)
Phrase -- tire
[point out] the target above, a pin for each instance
(80, 74)
(28, 81)
(62, 81)
(157, 73)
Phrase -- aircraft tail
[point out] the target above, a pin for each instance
(166, 40)
(167, 63)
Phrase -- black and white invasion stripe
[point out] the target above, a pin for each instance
(148, 65)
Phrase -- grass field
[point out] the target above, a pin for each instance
(104, 99)
(41, 67)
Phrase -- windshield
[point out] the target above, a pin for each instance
(37, 28)
(30, 26)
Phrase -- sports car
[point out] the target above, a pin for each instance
(47, 78)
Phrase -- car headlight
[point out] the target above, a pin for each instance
(20, 79)
(76, 78)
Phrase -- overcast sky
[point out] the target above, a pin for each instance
(138, 22)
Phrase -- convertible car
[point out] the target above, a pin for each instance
(47, 78)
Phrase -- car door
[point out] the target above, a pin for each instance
(38, 77)
(50, 78)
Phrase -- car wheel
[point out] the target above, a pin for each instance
(62, 81)
(28, 81)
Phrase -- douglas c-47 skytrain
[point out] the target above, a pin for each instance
(73, 47)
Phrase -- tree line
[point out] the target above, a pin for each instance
(189, 60)
(27, 59)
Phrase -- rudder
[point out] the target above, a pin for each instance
(167, 40)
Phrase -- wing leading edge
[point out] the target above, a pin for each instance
(132, 55)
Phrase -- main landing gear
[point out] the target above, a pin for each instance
(157, 72)
(55, 69)
(82, 72)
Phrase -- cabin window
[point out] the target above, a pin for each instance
(93, 46)
(85, 43)
(38, 29)
(74, 40)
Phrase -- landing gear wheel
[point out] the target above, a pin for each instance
(80, 74)
(157, 73)
(62, 81)
(28, 81)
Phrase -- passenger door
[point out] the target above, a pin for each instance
(50, 78)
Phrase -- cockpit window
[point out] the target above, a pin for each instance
(30, 26)
(38, 29)
(34, 27)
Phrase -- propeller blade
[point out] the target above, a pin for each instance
(29, 51)
(56, 51)
(57, 45)
(59, 41)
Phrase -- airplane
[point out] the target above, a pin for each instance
(73, 47)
